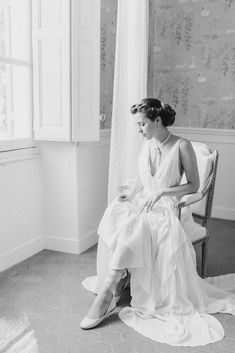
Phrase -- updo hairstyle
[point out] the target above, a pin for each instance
(152, 108)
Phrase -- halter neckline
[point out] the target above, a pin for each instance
(157, 148)
(167, 156)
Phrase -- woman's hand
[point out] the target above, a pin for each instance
(149, 204)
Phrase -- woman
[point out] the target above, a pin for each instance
(170, 302)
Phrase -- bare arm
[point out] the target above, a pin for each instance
(189, 164)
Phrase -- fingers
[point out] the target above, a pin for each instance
(176, 204)
(142, 207)
(144, 204)
(148, 205)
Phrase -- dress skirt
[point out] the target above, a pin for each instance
(170, 302)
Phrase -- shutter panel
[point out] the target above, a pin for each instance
(51, 69)
(86, 69)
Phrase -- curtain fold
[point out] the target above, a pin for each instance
(130, 86)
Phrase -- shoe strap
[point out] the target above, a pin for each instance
(113, 277)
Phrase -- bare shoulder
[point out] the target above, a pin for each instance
(185, 145)
(187, 153)
(186, 150)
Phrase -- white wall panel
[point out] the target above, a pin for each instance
(51, 114)
(50, 13)
(20, 208)
(86, 69)
(51, 70)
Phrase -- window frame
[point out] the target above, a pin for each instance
(14, 144)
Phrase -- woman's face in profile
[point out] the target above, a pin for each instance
(144, 125)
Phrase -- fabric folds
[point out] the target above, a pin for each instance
(170, 302)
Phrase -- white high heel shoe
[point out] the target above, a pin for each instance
(88, 323)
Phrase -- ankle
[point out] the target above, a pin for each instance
(106, 294)
(114, 276)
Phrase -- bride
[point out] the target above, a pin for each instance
(150, 248)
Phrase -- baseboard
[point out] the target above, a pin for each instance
(14, 256)
(223, 213)
(88, 240)
(72, 246)
(26, 250)
(61, 244)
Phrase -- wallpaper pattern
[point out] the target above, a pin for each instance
(191, 59)
(107, 56)
(193, 65)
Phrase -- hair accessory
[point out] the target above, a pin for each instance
(162, 105)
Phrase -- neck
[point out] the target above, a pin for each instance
(161, 135)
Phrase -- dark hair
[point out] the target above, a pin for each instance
(153, 108)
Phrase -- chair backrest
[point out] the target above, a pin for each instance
(207, 166)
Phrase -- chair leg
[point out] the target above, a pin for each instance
(204, 257)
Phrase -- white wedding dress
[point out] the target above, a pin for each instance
(170, 302)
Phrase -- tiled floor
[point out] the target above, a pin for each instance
(42, 302)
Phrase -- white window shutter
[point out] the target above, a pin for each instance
(85, 69)
(51, 70)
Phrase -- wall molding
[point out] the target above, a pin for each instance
(88, 240)
(71, 246)
(191, 133)
(61, 244)
(21, 155)
(30, 248)
(205, 134)
(223, 213)
(20, 253)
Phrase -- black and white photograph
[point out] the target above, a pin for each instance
(117, 176)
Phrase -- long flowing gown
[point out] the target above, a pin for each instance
(170, 302)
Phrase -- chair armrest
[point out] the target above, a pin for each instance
(189, 199)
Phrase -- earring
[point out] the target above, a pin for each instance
(157, 122)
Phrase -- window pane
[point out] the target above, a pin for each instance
(14, 102)
(14, 29)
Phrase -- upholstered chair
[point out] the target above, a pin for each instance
(201, 202)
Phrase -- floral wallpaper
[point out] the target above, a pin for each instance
(191, 59)
(107, 56)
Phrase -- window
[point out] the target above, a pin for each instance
(15, 74)
(49, 71)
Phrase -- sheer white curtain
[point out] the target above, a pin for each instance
(130, 86)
